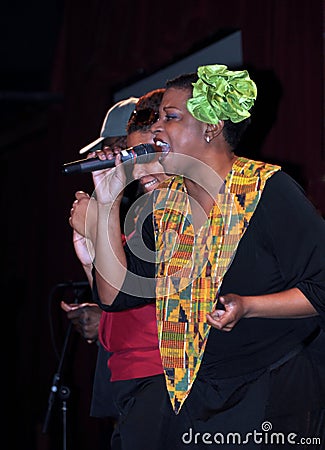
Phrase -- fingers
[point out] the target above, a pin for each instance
(105, 153)
(76, 306)
(118, 159)
(88, 327)
(110, 151)
(217, 314)
(101, 154)
(79, 210)
(91, 155)
(65, 306)
(85, 318)
(225, 319)
(81, 194)
(220, 320)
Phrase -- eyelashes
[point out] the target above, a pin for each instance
(170, 117)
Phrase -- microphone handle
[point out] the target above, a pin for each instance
(89, 165)
(142, 153)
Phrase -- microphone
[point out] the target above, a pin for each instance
(145, 153)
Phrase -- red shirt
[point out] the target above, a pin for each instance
(131, 335)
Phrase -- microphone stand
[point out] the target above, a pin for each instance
(56, 387)
(64, 392)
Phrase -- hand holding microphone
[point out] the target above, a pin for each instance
(142, 153)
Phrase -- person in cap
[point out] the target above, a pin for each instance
(232, 253)
(86, 316)
(130, 336)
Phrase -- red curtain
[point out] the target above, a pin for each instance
(109, 43)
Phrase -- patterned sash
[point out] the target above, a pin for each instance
(191, 267)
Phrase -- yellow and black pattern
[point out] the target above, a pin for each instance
(191, 266)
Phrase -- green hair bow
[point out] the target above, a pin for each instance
(222, 94)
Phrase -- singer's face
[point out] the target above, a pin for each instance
(178, 133)
(150, 174)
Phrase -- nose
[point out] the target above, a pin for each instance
(156, 127)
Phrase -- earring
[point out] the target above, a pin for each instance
(207, 138)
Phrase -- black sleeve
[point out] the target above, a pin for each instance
(298, 233)
(139, 285)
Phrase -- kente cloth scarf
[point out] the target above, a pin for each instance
(190, 266)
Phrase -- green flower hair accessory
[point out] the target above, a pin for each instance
(222, 94)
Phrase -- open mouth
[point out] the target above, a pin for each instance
(149, 185)
(164, 147)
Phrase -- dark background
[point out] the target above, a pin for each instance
(60, 62)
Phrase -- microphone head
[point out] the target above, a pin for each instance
(144, 149)
(139, 154)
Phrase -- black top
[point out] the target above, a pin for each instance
(283, 247)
